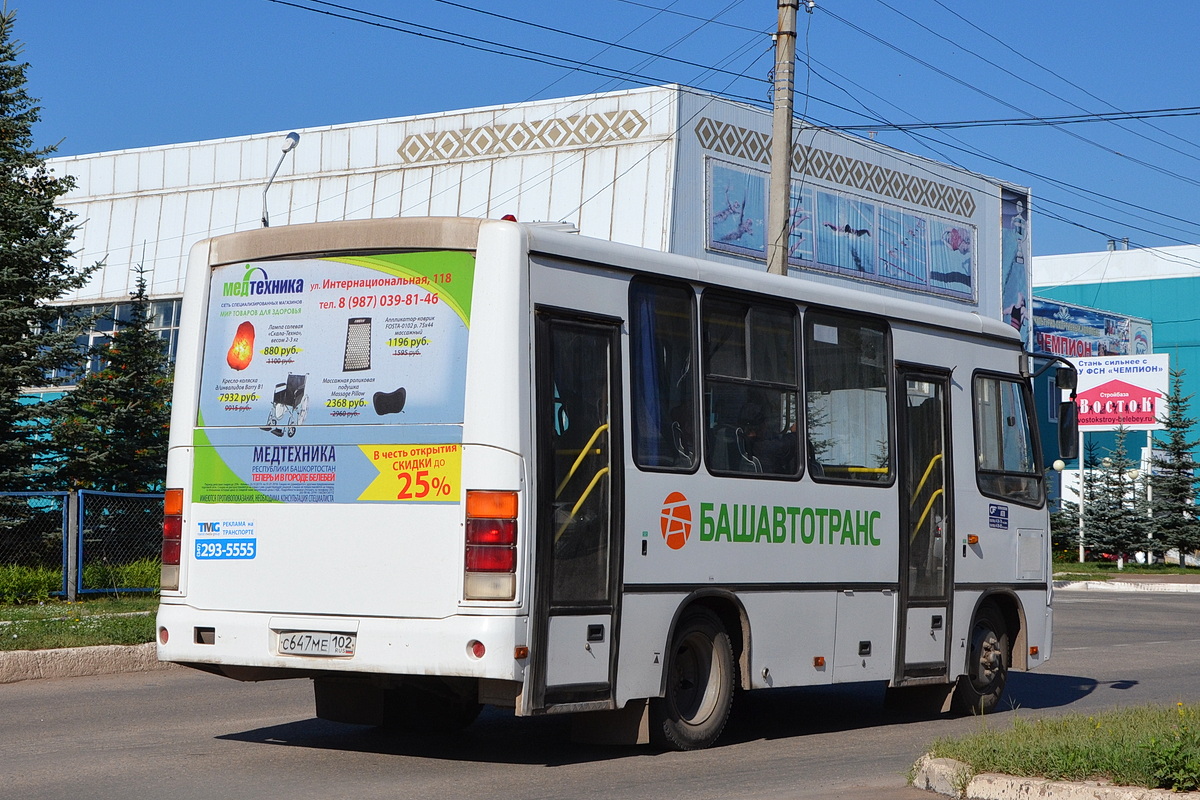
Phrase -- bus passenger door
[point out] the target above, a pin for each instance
(926, 523)
(578, 511)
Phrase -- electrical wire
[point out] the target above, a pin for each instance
(1104, 117)
(475, 43)
(1070, 83)
(954, 78)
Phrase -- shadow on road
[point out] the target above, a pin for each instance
(1046, 690)
(499, 737)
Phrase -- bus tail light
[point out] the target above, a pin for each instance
(490, 557)
(172, 540)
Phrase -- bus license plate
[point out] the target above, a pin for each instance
(316, 643)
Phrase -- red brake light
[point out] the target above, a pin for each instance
(490, 554)
(172, 541)
(492, 531)
(491, 559)
(170, 552)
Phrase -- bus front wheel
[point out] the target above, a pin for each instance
(699, 688)
(979, 690)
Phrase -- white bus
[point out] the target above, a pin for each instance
(431, 464)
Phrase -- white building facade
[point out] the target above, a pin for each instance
(664, 168)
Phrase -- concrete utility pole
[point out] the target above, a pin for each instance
(779, 196)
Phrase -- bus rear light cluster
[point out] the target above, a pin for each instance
(490, 558)
(172, 540)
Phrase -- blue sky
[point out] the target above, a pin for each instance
(134, 73)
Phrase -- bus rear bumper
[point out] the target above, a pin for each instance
(251, 646)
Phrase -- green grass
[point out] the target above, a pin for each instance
(1150, 747)
(1106, 570)
(20, 584)
(55, 623)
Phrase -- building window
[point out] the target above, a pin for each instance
(164, 321)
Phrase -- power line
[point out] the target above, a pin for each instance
(660, 55)
(1065, 80)
(1005, 103)
(475, 43)
(1006, 71)
(1039, 121)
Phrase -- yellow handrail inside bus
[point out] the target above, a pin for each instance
(925, 477)
(842, 468)
(587, 448)
(924, 514)
(578, 503)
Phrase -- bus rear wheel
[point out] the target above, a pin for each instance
(699, 688)
(979, 690)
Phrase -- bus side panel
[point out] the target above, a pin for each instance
(741, 531)
(792, 638)
(864, 645)
(645, 626)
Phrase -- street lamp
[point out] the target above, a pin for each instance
(289, 144)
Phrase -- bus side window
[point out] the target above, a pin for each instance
(846, 398)
(751, 387)
(1005, 459)
(662, 355)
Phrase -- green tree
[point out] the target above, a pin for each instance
(1173, 478)
(1064, 530)
(111, 431)
(1112, 526)
(1108, 499)
(35, 270)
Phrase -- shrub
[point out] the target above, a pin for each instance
(140, 574)
(21, 584)
(1175, 757)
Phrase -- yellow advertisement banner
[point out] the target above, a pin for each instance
(414, 473)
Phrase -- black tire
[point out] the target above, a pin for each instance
(699, 686)
(980, 689)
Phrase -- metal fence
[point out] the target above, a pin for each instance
(82, 542)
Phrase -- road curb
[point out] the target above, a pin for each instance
(954, 779)
(1124, 586)
(78, 662)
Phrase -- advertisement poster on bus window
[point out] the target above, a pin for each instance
(334, 380)
(1122, 391)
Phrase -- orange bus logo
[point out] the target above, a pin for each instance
(675, 520)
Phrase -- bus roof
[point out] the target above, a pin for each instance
(462, 233)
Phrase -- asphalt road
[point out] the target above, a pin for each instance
(183, 734)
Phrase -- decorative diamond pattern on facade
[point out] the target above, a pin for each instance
(748, 145)
(546, 134)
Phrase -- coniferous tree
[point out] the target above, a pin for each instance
(1064, 529)
(111, 432)
(1115, 529)
(1173, 478)
(1103, 504)
(35, 270)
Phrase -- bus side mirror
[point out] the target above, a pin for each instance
(1065, 378)
(1068, 430)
